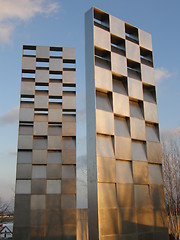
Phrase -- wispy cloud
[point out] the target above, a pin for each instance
(14, 11)
(162, 74)
(10, 117)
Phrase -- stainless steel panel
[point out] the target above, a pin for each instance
(140, 172)
(42, 52)
(124, 172)
(69, 77)
(104, 122)
(40, 128)
(23, 186)
(55, 64)
(68, 172)
(135, 89)
(42, 76)
(55, 115)
(69, 129)
(154, 152)
(137, 129)
(150, 112)
(28, 88)
(145, 40)
(132, 51)
(28, 63)
(53, 187)
(121, 104)
(122, 148)
(103, 79)
(139, 151)
(38, 202)
(117, 26)
(69, 53)
(106, 195)
(106, 169)
(102, 38)
(121, 126)
(55, 89)
(25, 142)
(103, 101)
(147, 75)
(105, 146)
(39, 157)
(38, 172)
(118, 64)
(125, 195)
(142, 197)
(54, 142)
(68, 201)
(155, 174)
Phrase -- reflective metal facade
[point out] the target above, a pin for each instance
(45, 200)
(125, 193)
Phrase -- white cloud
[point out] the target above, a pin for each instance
(161, 74)
(13, 11)
(10, 117)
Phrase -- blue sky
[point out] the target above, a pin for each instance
(61, 23)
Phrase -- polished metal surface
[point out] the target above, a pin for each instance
(45, 200)
(125, 197)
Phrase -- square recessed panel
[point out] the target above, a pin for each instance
(24, 157)
(136, 109)
(150, 112)
(102, 38)
(54, 171)
(137, 129)
(120, 84)
(103, 78)
(154, 152)
(105, 146)
(149, 93)
(54, 157)
(106, 195)
(139, 151)
(118, 64)
(123, 172)
(38, 186)
(127, 221)
(68, 201)
(38, 202)
(142, 196)
(39, 156)
(25, 142)
(135, 89)
(155, 174)
(104, 101)
(106, 169)
(68, 171)
(140, 172)
(104, 122)
(123, 148)
(38, 172)
(108, 221)
(132, 51)
(157, 196)
(54, 130)
(25, 129)
(68, 156)
(69, 143)
(40, 143)
(53, 187)
(152, 132)
(54, 142)
(117, 27)
(121, 126)
(121, 104)
(23, 171)
(125, 195)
